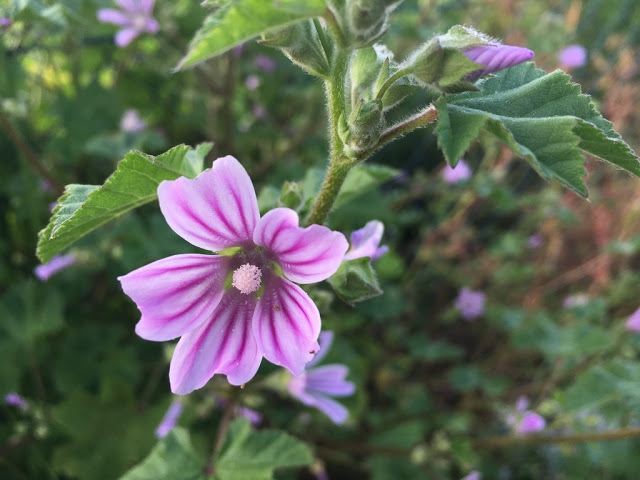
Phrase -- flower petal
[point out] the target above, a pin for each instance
(224, 345)
(330, 380)
(146, 5)
(306, 255)
(365, 242)
(286, 325)
(151, 25)
(129, 5)
(337, 412)
(176, 294)
(111, 15)
(216, 210)
(125, 36)
(325, 340)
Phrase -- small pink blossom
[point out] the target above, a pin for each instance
(264, 63)
(495, 58)
(132, 122)
(633, 322)
(535, 241)
(57, 263)
(134, 16)
(5, 22)
(170, 419)
(252, 82)
(459, 173)
(523, 421)
(573, 56)
(16, 400)
(470, 303)
(227, 315)
(366, 242)
(258, 111)
(315, 386)
(475, 475)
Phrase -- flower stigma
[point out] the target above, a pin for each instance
(247, 278)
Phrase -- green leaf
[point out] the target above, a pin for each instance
(173, 458)
(250, 455)
(355, 281)
(362, 178)
(543, 118)
(237, 21)
(83, 208)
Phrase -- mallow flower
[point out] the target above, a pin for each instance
(525, 421)
(495, 58)
(132, 122)
(232, 309)
(170, 419)
(474, 475)
(459, 173)
(15, 400)
(53, 266)
(135, 17)
(633, 322)
(316, 386)
(470, 303)
(365, 242)
(573, 56)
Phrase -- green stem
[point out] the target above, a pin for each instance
(499, 442)
(339, 165)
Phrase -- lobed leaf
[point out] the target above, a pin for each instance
(237, 21)
(543, 118)
(247, 454)
(83, 208)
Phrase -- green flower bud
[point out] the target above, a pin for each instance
(300, 43)
(291, 195)
(365, 125)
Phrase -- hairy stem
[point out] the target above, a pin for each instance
(339, 165)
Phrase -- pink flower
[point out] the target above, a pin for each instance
(633, 322)
(459, 173)
(573, 56)
(5, 22)
(470, 303)
(316, 386)
(475, 475)
(16, 400)
(252, 82)
(525, 421)
(132, 122)
(495, 58)
(366, 242)
(231, 310)
(57, 263)
(170, 419)
(135, 18)
(535, 241)
(264, 63)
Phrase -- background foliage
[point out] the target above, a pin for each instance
(433, 390)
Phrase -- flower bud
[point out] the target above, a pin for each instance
(291, 195)
(300, 43)
(362, 22)
(365, 125)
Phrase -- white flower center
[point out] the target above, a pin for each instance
(247, 278)
(139, 22)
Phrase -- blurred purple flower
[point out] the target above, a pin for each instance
(573, 56)
(315, 386)
(232, 310)
(633, 322)
(495, 58)
(264, 63)
(135, 18)
(535, 241)
(475, 475)
(255, 418)
(52, 205)
(470, 303)
(57, 263)
(132, 122)
(170, 419)
(258, 111)
(5, 22)
(252, 82)
(456, 174)
(573, 301)
(16, 400)
(45, 186)
(524, 422)
(366, 242)
(237, 50)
